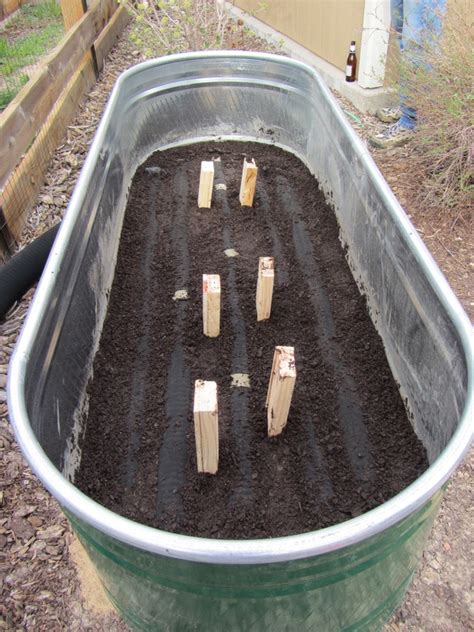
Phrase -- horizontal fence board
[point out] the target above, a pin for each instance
(23, 183)
(25, 115)
(109, 36)
(8, 6)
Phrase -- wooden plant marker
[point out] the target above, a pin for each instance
(248, 183)
(280, 389)
(266, 277)
(206, 426)
(211, 304)
(206, 183)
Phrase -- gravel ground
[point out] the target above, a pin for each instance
(48, 583)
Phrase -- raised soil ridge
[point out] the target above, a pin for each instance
(348, 445)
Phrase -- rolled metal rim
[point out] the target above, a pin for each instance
(215, 551)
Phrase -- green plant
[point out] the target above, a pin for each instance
(31, 33)
(26, 50)
(11, 89)
(170, 26)
(43, 10)
(438, 83)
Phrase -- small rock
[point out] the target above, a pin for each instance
(181, 295)
(240, 379)
(153, 170)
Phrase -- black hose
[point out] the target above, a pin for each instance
(24, 269)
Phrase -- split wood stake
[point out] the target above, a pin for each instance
(211, 304)
(206, 182)
(248, 183)
(280, 389)
(206, 426)
(266, 276)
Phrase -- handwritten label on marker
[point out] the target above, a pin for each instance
(265, 280)
(211, 283)
(211, 304)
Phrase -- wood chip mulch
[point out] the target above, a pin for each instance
(40, 587)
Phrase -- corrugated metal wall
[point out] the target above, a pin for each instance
(325, 27)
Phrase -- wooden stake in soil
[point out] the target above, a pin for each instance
(206, 426)
(211, 304)
(206, 182)
(280, 389)
(266, 276)
(248, 183)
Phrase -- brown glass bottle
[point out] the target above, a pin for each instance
(351, 63)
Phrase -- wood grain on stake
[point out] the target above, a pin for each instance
(248, 183)
(206, 182)
(280, 389)
(266, 276)
(211, 304)
(206, 426)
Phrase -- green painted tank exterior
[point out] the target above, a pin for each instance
(354, 588)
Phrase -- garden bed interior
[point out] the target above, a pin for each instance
(348, 445)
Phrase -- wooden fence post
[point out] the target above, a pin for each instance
(72, 11)
(34, 123)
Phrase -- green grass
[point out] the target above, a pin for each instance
(27, 50)
(10, 92)
(31, 14)
(46, 10)
(32, 33)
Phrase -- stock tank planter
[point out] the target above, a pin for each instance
(349, 576)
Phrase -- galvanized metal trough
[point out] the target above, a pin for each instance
(347, 577)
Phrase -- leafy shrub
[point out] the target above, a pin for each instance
(440, 87)
(163, 27)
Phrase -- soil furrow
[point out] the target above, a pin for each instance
(135, 416)
(281, 276)
(172, 454)
(356, 440)
(348, 445)
(239, 362)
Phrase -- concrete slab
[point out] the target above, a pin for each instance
(364, 99)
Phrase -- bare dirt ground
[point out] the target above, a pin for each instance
(47, 581)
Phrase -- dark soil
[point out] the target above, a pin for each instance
(348, 445)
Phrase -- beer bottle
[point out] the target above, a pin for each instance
(351, 63)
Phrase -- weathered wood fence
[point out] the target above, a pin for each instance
(9, 6)
(34, 123)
